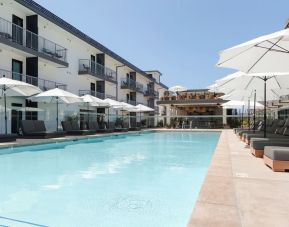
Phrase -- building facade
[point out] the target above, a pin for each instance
(40, 48)
(200, 106)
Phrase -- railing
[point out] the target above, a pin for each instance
(93, 68)
(157, 109)
(41, 83)
(152, 93)
(131, 84)
(17, 34)
(110, 97)
(97, 94)
(131, 102)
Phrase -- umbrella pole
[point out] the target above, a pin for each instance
(242, 116)
(254, 114)
(108, 116)
(87, 113)
(249, 115)
(5, 109)
(57, 114)
(265, 112)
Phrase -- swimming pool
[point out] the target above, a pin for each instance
(147, 179)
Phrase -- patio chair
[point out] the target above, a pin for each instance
(72, 128)
(35, 129)
(271, 130)
(277, 158)
(258, 144)
(94, 126)
(7, 138)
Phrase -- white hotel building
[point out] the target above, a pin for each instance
(38, 47)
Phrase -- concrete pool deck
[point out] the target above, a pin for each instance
(240, 190)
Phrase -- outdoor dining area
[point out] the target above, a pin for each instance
(116, 117)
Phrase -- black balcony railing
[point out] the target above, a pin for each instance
(17, 34)
(97, 94)
(132, 85)
(41, 83)
(151, 93)
(89, 67)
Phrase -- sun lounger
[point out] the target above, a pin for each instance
(93, 126)
(118, 128)
(35, 129)
(259, 128)
(258, 144)
(277, 158)
(72, 128)
(6, 138)
(272, 131)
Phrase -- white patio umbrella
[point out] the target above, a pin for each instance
(274, 86)
(235, 104)
(266, 54)
(177, 88)
(9, 87)
(113, 104)
(269, 53)
(56, 96)
(93, 101)
(141, 109)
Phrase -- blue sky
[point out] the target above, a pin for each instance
(181, 38)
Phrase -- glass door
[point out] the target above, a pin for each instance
(16, 117)
(17, 70)
(17, 29)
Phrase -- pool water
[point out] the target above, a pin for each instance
(139, 180)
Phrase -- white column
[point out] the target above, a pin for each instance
(224, 116)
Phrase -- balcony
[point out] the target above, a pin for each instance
(44, 85)
(107, 96)
(99, 95)
(131, 85)
(31, 43)
(131, 102)
(151, 93)
(87, 67)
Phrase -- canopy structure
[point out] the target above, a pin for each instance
(234, 104)
(177, 88)
(57, 96)
(9, 87)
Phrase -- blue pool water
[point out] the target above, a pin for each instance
(140, 180)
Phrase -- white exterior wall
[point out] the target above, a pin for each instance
(76, 49)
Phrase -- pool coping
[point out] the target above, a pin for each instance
(240, 190)
(21, 142)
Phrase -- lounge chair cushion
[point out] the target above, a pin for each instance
(7, 138)
(75, 125)
(27, 126)
(277, 153)
(66, 125)
(260, 144)
(39, 126)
